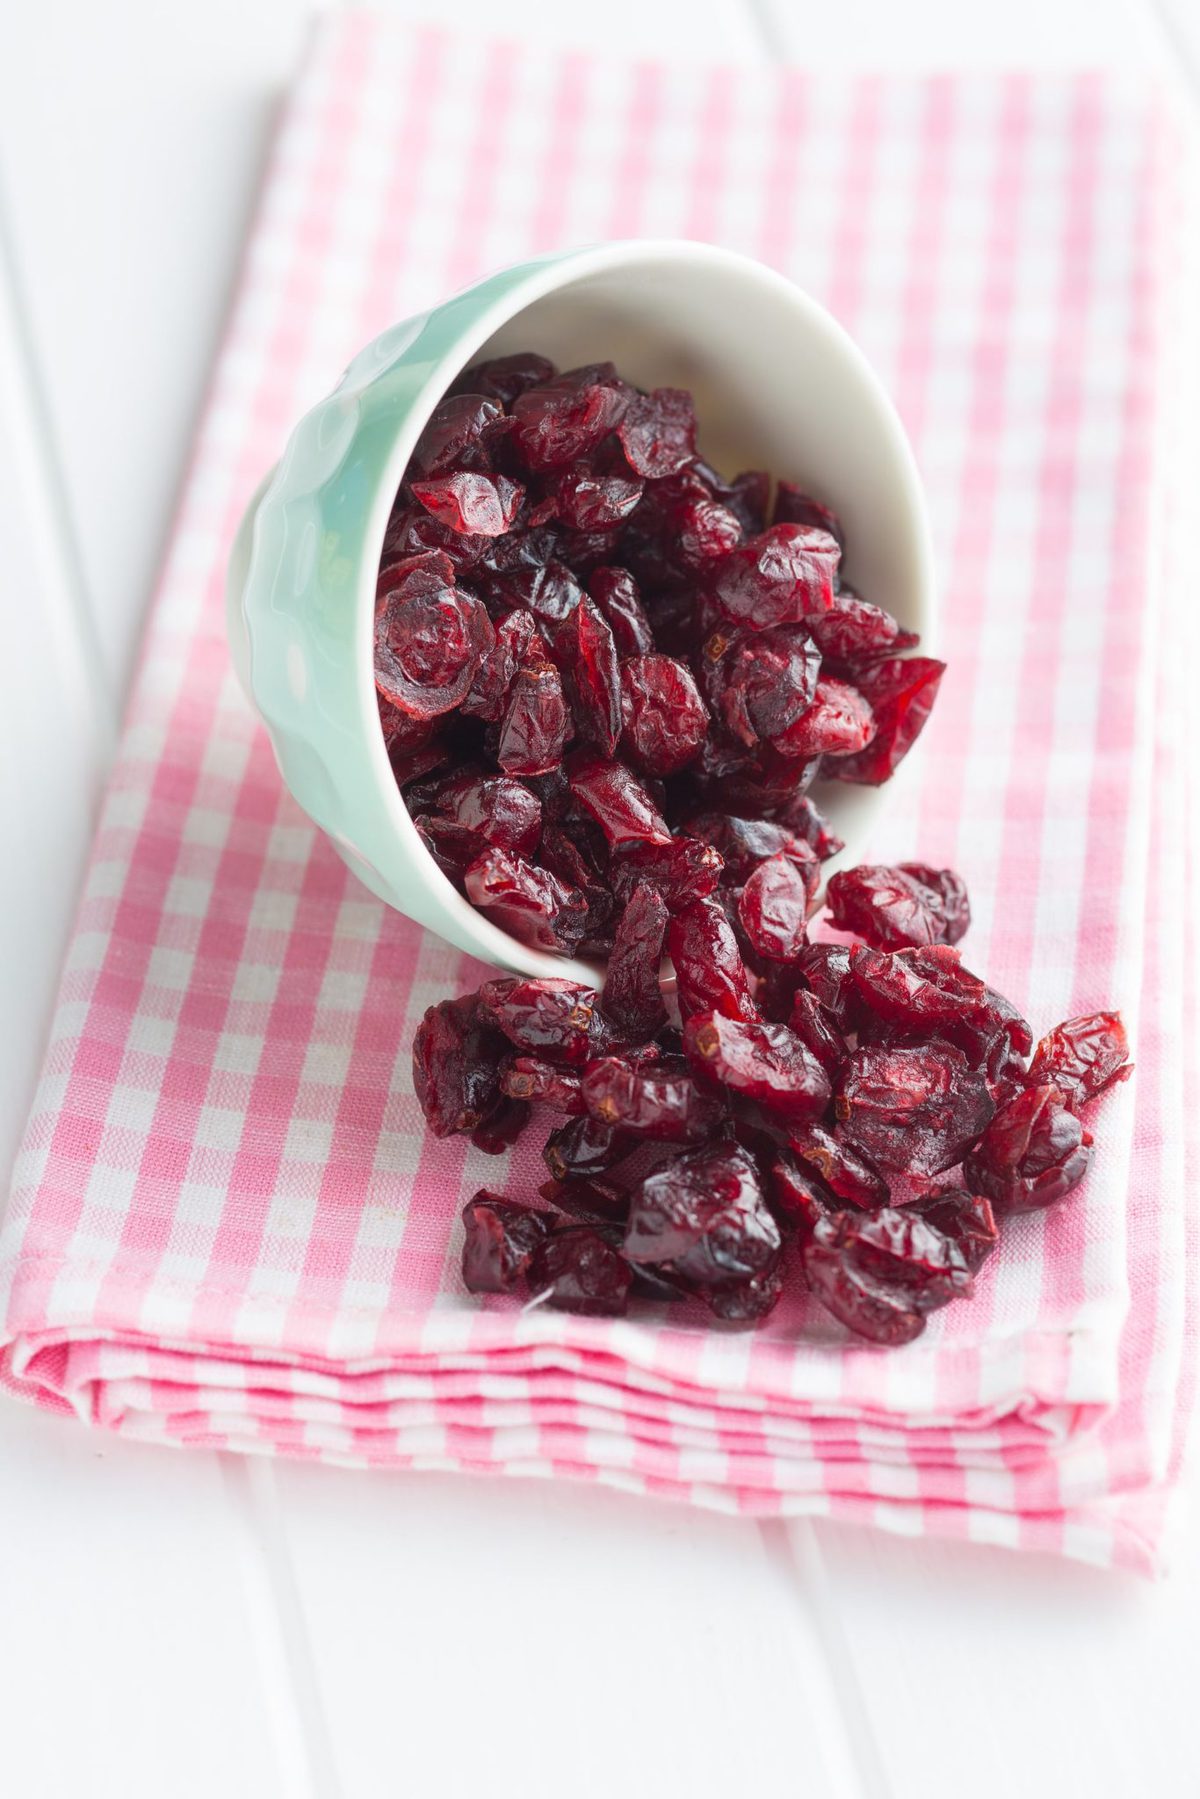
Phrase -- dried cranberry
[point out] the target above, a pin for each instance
(575, 1270)
(585, 500)
(916, 1110)
(451, 845)
(658, 432)
(489, 691)
(543, 1017)
(540, 1083)
(761, 681)
(773, 906)
(663, 715)
(900, 692)
(527, 902)
(766, 1062)
(632, 997)
(709, 969)
(923, 988)
(744, 843)
(500, 1127)
(470, 503)
(816, 1027)
(1033, 1152)
(803, 816)
(1083, 1056)
(505, 377)
(966, 1218)
(828, 970)
(495, 809)
(455, 1065)
(745, 1302)
(584, 1147)
(794, 507)
(683, 869)
(499, 1242)
(557, 422)
(853, 634)
(838, 723)
(779, 577)
(592, 1199)
(586, 656)
(456, 434)
(800, 1198)
(703, 1212)
(615, 592)
(865, 1304)
(841, 1167)
(429, 638)
(655, 1099)
(893, 908)
(547, 589)
(534, 727)
(616, 800)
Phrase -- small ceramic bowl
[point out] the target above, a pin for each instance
(778, 385)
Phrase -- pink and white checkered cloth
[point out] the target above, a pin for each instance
(228, 1226)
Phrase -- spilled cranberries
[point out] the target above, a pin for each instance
(600, 664)
(859, 1121)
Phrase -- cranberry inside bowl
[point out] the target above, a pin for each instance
(524, 640)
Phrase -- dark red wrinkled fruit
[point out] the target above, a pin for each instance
(587, 660)
(591, 1198)
(632, 997)
(761, 682)
(794, 507)
(773, 906)
(653, 1099)
(800, 1199)
(499, 1241)
(470, 503)
(534, 727)
(709, 969)
(540, 1083)
(918, 988)
(893, 908)
(814, 1024)
(745, 842)
(616, 801)
(513, 642)
(838, 723)
(429, 637)
(916, 1110)
(575, 1270)
(457, 434)
(494, 809)
(455, 1062)
(766, 1062)
(584, 1147)
(500, 1127)
(866, 1305)
(803, 816)
(615, 593)
(846, 1171)
(701, 533)
(778, 577)
(1083, 1056)
(664, 719)
(1032, 1154)
(853, 634)
(504, 377)
(658, 432)
(704, 1214)
(549, 1017)
(828, 971)
(966, 1218)
(746, 1302)
(557, 423)
(900, 692)
(905, 1249)
(681, 870)
(585, 500)
(527, 902)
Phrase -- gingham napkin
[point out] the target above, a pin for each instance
(228, 1226)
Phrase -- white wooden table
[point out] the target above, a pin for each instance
(195, 1624)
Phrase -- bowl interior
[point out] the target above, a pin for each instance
(778, 385)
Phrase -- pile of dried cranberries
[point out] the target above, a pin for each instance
(813, 1093)
(606, 685)
(599, 665)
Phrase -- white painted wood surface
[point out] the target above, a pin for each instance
(194, 1624)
